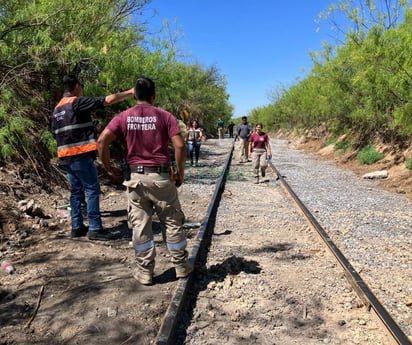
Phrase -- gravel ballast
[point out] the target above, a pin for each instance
(372, 227)
(269, 279)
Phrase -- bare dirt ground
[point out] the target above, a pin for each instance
(69, 291)
(76, 291)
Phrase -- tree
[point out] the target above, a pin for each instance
(42, 40)
(364, 84)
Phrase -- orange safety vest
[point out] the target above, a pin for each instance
(74, 135)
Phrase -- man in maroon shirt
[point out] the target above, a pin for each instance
(147, 131)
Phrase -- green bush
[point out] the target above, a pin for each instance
(344, 146)
(368, 155)
(14, 138)
(48, 140)
(7, 152)
(331, 141)
(408, 163)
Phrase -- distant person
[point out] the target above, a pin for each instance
(75, 134)
(147, 131)
(243, 132)
(260, 151)
(194, 135)
(230, 129)
(220, 128)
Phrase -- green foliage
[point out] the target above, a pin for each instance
(40, 41)
(201, 91)
(331, 141)
(343, 146)
(14, 127)
(13, 136)
(408, 163)
(264, 115)
(362, 85)
(49, 142)
(368, 155)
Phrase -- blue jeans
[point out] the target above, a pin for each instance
(83, 178)
(193, 148)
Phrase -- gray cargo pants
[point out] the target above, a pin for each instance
(145, 191)
(243, 150)
(259, 161)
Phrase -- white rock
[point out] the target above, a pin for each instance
(376, 175)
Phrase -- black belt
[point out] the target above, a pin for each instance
(141, 169)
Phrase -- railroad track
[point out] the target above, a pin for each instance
(170, 333)
(365, 294)
(263, 276)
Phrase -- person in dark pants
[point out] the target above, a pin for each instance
(75, 134)
(220, 128)
(243, 132)
(230, 129)
(194, 136)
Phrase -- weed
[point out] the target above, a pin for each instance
(408, 163)
(331, 141)
(368, 155)
(48, 140)
(343, 145)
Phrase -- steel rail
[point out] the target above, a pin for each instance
(165, 335)
(361, 288)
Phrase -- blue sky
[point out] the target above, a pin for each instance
(258, 45)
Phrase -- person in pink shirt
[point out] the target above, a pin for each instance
(194, 139)
(260, 151)
(147, 131)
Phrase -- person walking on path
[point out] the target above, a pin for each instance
(220, 128)
(230, 129)
(147, 131)
(75, 134)
(260, 151)
(194, 138)
(243, 132)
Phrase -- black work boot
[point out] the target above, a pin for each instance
(81, 232)
(100, 235)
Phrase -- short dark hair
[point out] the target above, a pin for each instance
(244, 118)
(144, 89)
(69, 82)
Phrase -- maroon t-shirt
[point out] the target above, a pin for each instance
(147, 131)
(259, 141)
